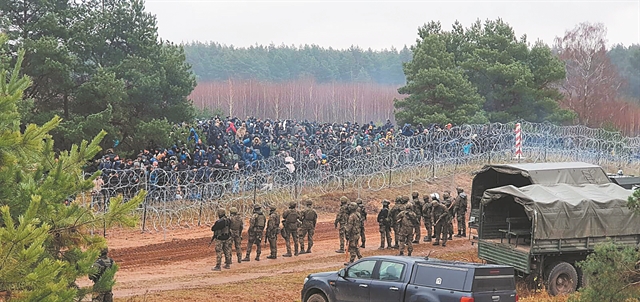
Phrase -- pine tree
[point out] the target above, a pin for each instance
(46, 244)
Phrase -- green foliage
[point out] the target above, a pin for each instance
(610, 271)
(208, 113)
(479, 73)
(217, 62)
(98, 63)
(634, 201)
(46, 244)
(627, 62)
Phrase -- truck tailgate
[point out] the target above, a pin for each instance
(504, 254)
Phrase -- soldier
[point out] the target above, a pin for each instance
(363, 217)
(426, 215)
(256, 228)
(272, 232)
(341, 221)
(101, 265)
(352, 231)
(384, 222)
(395, 210)
(290, 222)
(461, 212)
(440, 216)
(221, 235)
(309, 219)
(406, 221)
(236, 227)
(448, 203)
(417, 208)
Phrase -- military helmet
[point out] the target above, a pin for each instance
(460, 190)
(398, 198)
(272, 207)
(353, 206)
(233, 210)
(221, 212)
(257, 207)
(463, 195)
(409, 205)
(385, 202)
(446, 195)
(415, 194)
(309, 202)
(426, 198)
(344, 200)
(104, 251)
(293, 204)
(434, 202)
(405, 199)
(359, 201)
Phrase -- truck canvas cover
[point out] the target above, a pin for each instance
(572, 211)
(553, 173)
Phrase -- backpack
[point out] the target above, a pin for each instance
(310, 215)
(236, 224)
(260, 221)
(292, 217)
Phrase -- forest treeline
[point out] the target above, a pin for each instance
(213, 61)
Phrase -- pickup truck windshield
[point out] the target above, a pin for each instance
(436, 276)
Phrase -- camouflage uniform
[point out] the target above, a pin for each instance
(461, 212)
(309, 219)
(236, 227)
(256, 228)
(353, 231)
(272, 232)
(363, 217)
(221, 235)
(448, 203)
(290, 221)
(440, 217)
(417, 208)
(406, 221)
(384, 222)
(102, 264)
(341, 221)
(426, 215)
(395, 210)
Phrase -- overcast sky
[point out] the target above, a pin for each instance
(378, 24)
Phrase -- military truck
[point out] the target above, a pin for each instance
(519, 175)
(544, 230)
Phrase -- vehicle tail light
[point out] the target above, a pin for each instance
(467, 299)
(516, 297)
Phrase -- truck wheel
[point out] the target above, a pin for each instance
(316, 298)
(562, 279)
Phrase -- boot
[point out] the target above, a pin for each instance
(450, 237)
(246, 259)
(464, 234)
(296, 251)
(257, 258)
(415, 241)
(308, 251)
(340, 251)
(408, 253)
(271, 257)
(239, 258)
(444, 244)
(401, 254)
(227, 266)
(381, 247)
(427, 239)
(217, 268)
(362, 245)
(436, 243)
(459, 234)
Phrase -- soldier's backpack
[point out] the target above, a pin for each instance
(224, 234)
(236, 224)
(292, 218)
(102, 265)
(260, 221)
(310, 215)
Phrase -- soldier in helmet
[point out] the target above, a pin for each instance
(237, 224)
(101, 265)
(341, 221)
(406, 221)
(272, 231)
(363, 217)
(426, 215)
(353, 231)
(290, 220)
(309, 219)
(460, 209)
(384, 222)
(440, 216)
(257, 223)
(448, 203)
(395, 210)
(221, 235)
(417, 208)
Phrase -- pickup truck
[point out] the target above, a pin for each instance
(403, 278)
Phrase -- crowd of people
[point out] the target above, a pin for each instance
(403, 220)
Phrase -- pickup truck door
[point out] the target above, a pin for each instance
(388, 284)
(354, 287)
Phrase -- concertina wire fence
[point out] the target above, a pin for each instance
(188, 198)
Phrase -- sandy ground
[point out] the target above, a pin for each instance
(180, 259)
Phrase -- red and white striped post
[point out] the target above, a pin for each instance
(518, 142)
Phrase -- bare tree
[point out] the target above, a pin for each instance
(592, 81)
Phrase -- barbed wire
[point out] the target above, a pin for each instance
(189, 198)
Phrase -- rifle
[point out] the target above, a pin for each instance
(212, 238)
